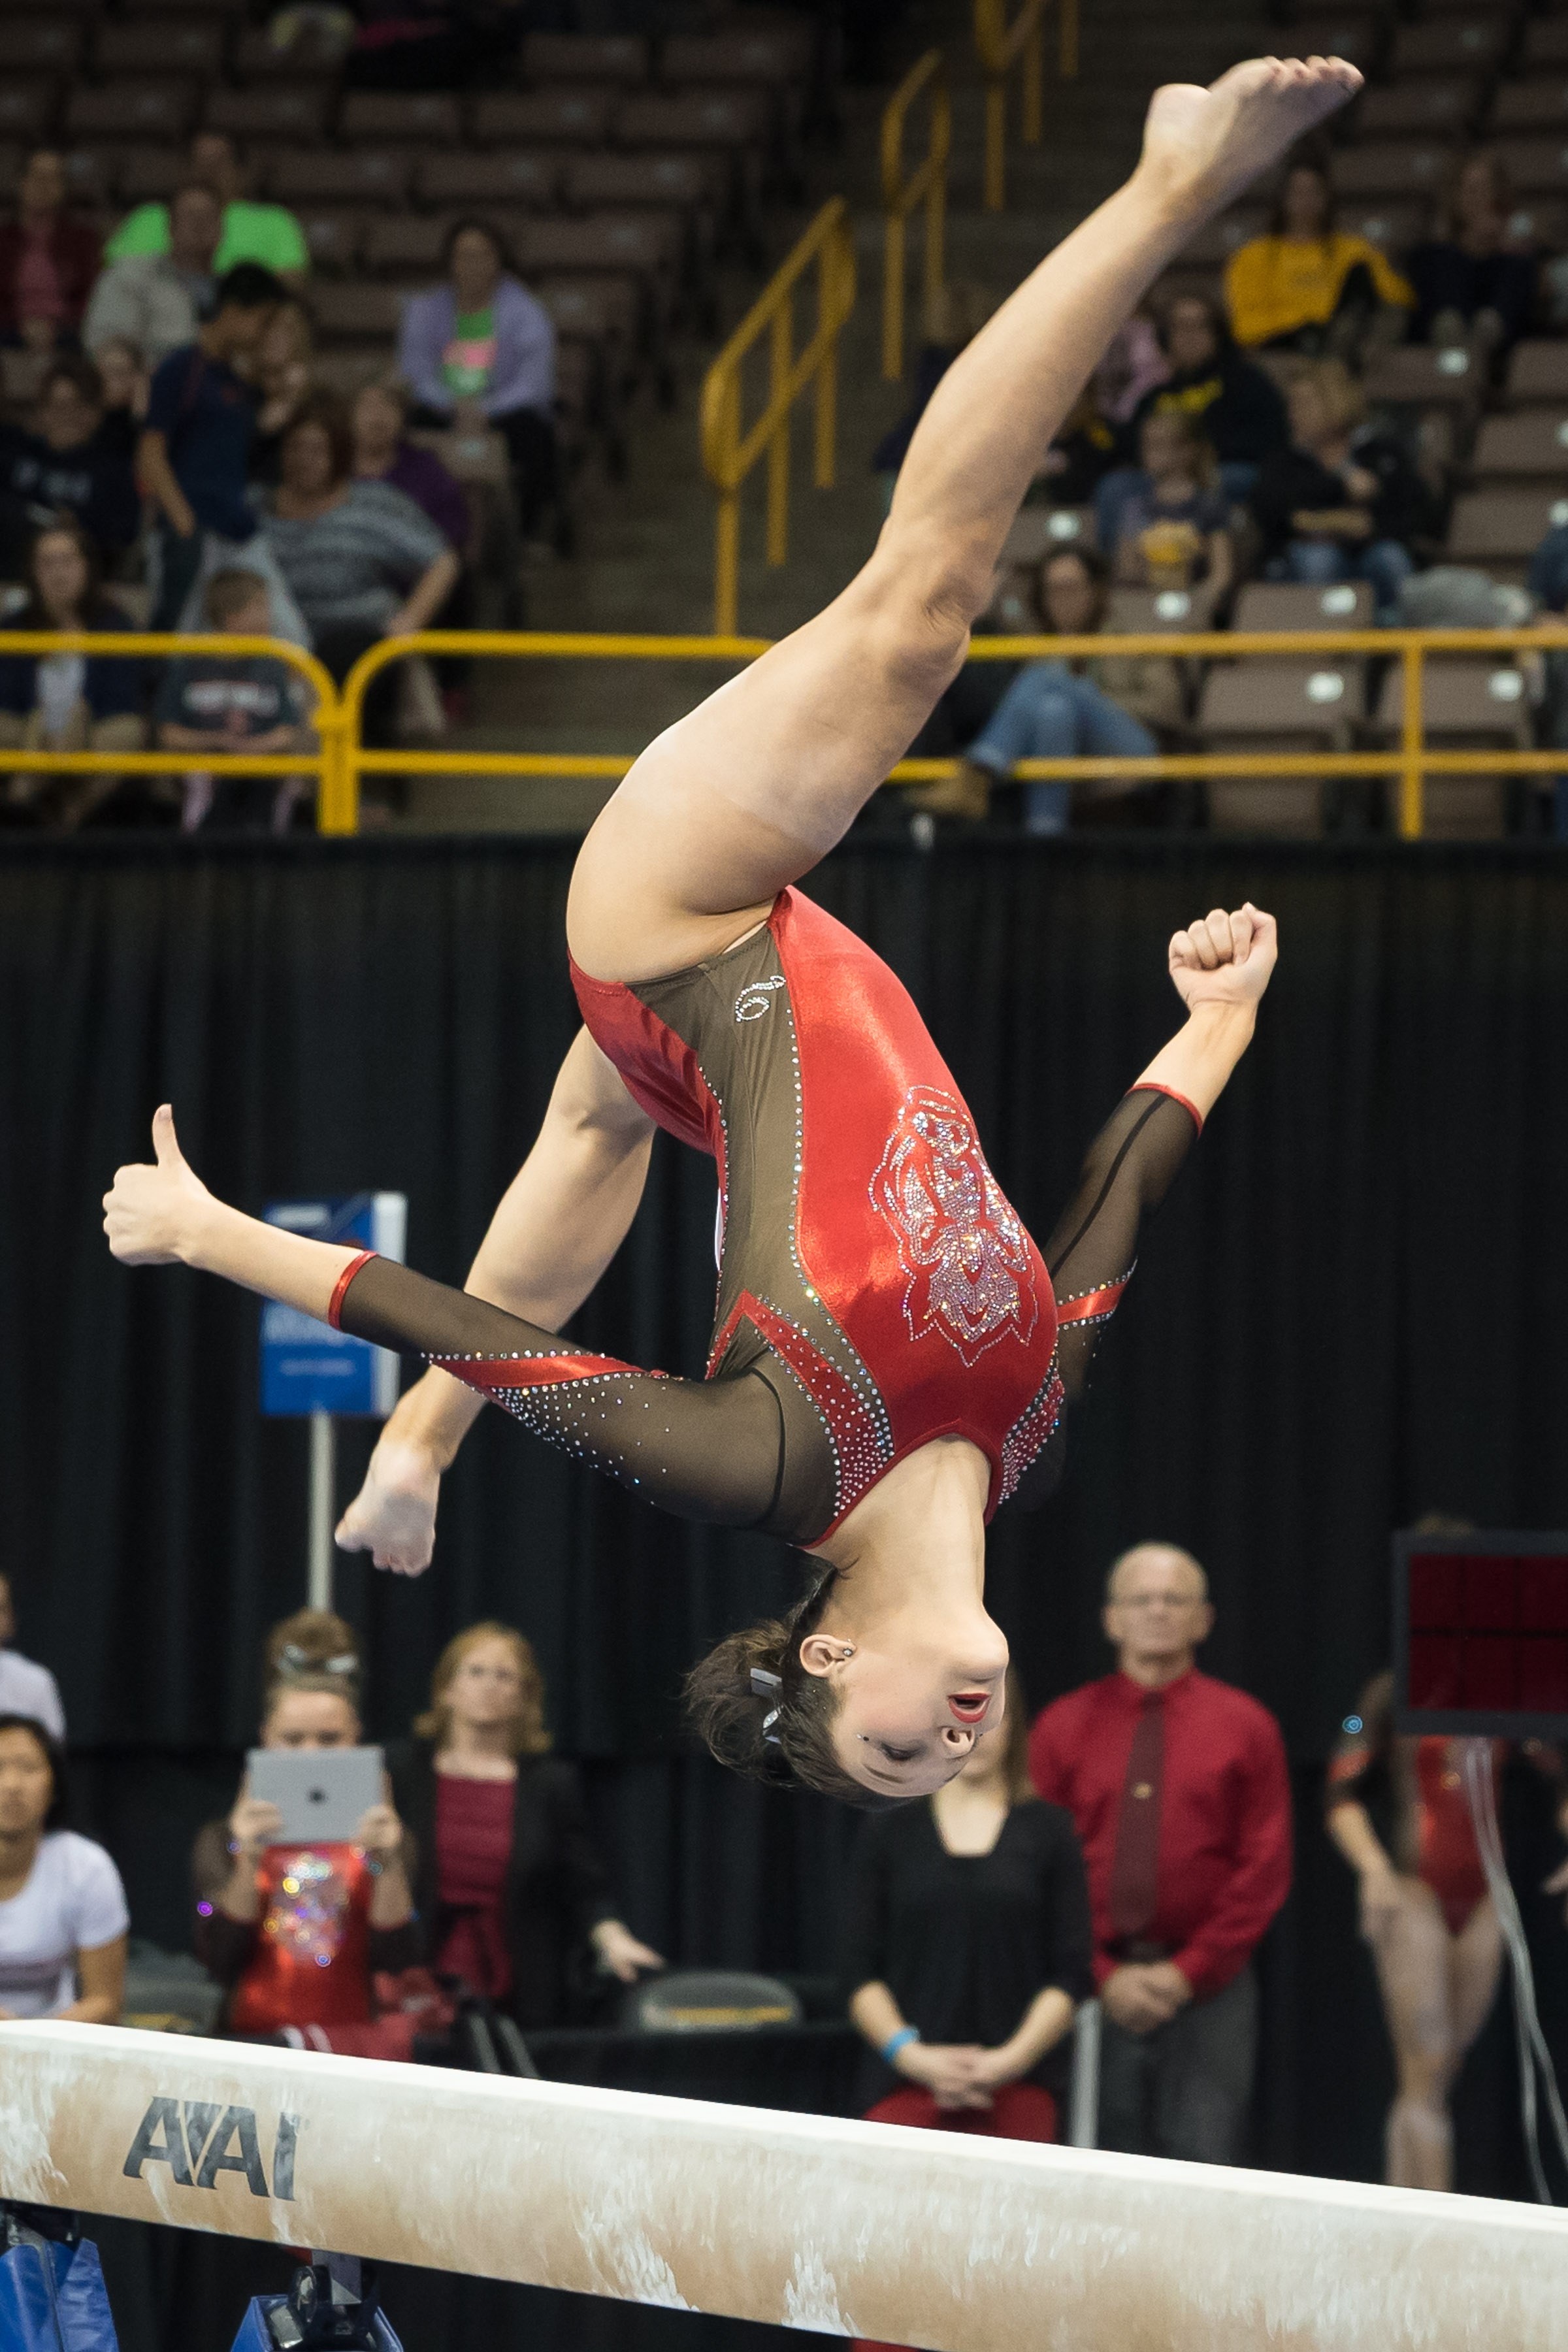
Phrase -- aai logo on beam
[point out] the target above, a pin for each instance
(199, 2138)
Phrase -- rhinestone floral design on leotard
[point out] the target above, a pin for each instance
(961, 1244)
(309, 1909)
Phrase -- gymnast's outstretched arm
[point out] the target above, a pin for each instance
(749, 791)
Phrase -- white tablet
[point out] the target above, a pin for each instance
(322, 1793)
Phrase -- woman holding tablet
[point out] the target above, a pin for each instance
(295, 1934)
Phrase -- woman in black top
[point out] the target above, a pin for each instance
(969, 1948)
(509, 1881)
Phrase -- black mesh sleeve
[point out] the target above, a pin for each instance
(709, 1450)
(1128, 1171)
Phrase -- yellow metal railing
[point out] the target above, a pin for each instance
(999, 47)
(928, 185)
(341, 759)
(728, 452)
(327, 719)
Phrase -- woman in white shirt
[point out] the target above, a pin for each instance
(63, 1919)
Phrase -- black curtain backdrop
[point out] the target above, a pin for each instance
(1351, 1311)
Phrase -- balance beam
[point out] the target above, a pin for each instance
(929, 2239)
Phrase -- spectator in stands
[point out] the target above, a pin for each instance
(969, 1948)
(265, 234)
(25, 1687)
(49, 261)
(482, 345)
(954, 315)
(235, 702)
(361, 560)
(281, 370)
(194, 450)
(65, 702)
(1236, 403)
(313, 1641)
(383, 453)
(1170, 527)
(1342, 502)
(1057, 710)
(156, 301)
(1079, 457)
(122, 373)
(1180, 1790)
(63, 1918)
(508, 1881)
(1305, 287)
(1134, 364)
(67, 465)
(295, 1937)
(1473, 281)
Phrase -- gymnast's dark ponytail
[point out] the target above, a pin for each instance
(761, 1714)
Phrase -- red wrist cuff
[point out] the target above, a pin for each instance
(339, 1289)
(1153, 1086)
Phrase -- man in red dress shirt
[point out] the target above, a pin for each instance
(1179, 1789)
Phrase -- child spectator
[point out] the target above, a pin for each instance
(233, 702)
(195, 447)
(49, 261)
(25, 1687)
(66, 464)
(63, 1918)
(281, 373)
(1342, 502)
(65, 702)
(1172, 524)
(122, 373)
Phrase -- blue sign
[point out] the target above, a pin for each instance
(305, 1366)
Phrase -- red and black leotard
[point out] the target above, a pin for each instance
(876, 1288)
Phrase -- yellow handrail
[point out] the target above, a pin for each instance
(727, 454)
(999, 46)
(325, 762)
(1410, 763)
(899, 196)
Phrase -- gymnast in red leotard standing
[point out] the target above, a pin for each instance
(891, 1353)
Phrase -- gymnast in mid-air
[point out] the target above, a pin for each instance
(892, 1356)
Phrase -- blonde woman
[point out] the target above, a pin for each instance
(509, 1883)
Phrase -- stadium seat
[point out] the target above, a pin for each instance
(92, 174)
(733, 119)
(145, 174)
(310, 56)
(1535, 166)
(385, 117)
(1039, 531)
(1445, 45)
(179, 7)
(1529, 447)
(1538, 372)
(1357, 40)
(1393, 227)
(334, 236)
(1468, 704)
(286, 112)
(1530, 106)
(1500, 530)
(1178, 611)
(1545, 44)
(524, 181)
(40, 45)
(1399, 167)
(1268, 705)
(771, 57)
(162, 111)
(153, 45)
(586, 58)
(1219, 238)
(1442, 107)
(356, 313)
(1270, 604)
(347, 373)
(666, 181)
(543, 118)
(403, 245)
(327, 175)
(1540, 220)
(26, 110)
(1425, 376)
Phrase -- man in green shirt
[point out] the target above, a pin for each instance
(268, 234)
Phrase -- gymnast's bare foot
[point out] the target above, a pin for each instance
(1205, 145)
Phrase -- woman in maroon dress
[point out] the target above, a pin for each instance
(509, 1881)
(886, 1367)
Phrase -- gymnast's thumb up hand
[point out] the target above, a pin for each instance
(149, 1213)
